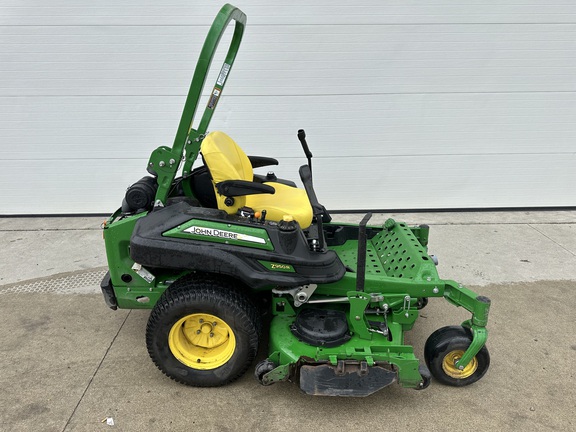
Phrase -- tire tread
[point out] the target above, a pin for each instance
(200, 288)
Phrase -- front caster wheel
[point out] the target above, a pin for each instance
(426, 377)
(262, 369)
(445, 347)
(203, 332)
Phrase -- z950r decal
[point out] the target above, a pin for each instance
(213, 232)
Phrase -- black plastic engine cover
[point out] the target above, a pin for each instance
(151, 249)
(321, 327)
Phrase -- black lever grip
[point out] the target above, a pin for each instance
(302, 138)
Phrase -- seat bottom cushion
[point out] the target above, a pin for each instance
(286, 201)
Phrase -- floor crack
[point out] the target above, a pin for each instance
(552, 240)
(96, 371)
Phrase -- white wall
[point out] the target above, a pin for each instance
(419, 104)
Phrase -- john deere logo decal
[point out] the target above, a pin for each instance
(213, 232)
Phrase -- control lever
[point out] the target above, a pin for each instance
(361, 256)
(307, 152)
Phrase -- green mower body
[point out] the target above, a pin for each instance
(338, 298)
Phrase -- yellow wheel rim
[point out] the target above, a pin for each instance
(202, 341)
(449, 365)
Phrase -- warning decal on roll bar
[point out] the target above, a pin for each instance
(223, 74)
(214, 98)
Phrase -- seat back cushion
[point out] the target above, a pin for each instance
(226, 161)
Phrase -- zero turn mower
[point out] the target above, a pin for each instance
(216, 251)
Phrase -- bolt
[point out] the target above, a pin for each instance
(128, 289)
(214, 323)
(197, 331)
(428, 278)
(151, 164)
(150, 289)
(406, 314)
(198, 361)
(162, 163)
(200, 320)
(172, 161)
(357, 318)
(461, 367)
(211, 334)
(435, 290)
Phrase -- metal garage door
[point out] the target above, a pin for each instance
(432, 104)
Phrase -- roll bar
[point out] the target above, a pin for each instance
(164, 161)
(226, 14)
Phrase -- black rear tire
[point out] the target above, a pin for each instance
(193, 313)
(445, 346)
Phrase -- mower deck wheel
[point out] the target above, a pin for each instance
(445, 347)
(262, 368)
(203, 331)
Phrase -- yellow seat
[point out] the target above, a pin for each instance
(226, 161)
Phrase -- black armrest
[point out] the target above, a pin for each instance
(232, 188)
(317, 208)
(262, 161)
(306, 177)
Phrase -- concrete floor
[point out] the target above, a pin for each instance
(67, 362)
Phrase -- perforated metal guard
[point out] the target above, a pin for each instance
(349, 256)
(401, 253)
(393, 253)
(82, 282)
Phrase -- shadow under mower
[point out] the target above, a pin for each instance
(211, 249)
